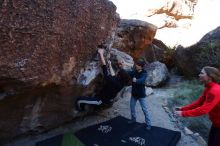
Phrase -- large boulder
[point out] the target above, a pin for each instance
(158, 51)
(206, 52)
(133, 36)
(157, 74)
(46, 43)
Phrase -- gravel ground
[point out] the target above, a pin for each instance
(158, 115)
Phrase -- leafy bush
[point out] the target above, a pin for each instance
(187, 93)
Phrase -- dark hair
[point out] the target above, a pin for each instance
(140, 62)
(213, 73)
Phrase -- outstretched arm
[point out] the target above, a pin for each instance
(210, 102)
(101, 54)
(103, 62)
(178, 111)
(112, 72)
(195, 104)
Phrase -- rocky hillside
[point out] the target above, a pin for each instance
(180, 22)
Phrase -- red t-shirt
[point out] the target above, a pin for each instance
(208, 103)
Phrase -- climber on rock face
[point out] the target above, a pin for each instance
(113, 83)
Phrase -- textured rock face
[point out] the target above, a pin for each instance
(174, 19)
(37, 110)
(137, 39)
(44, 42)
(157, 74)
(179, 9)
(133, 36)
(158, 51)
(205, 53)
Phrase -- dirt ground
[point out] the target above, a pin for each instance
(158, 115)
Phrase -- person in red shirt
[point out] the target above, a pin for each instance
(207, 103)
